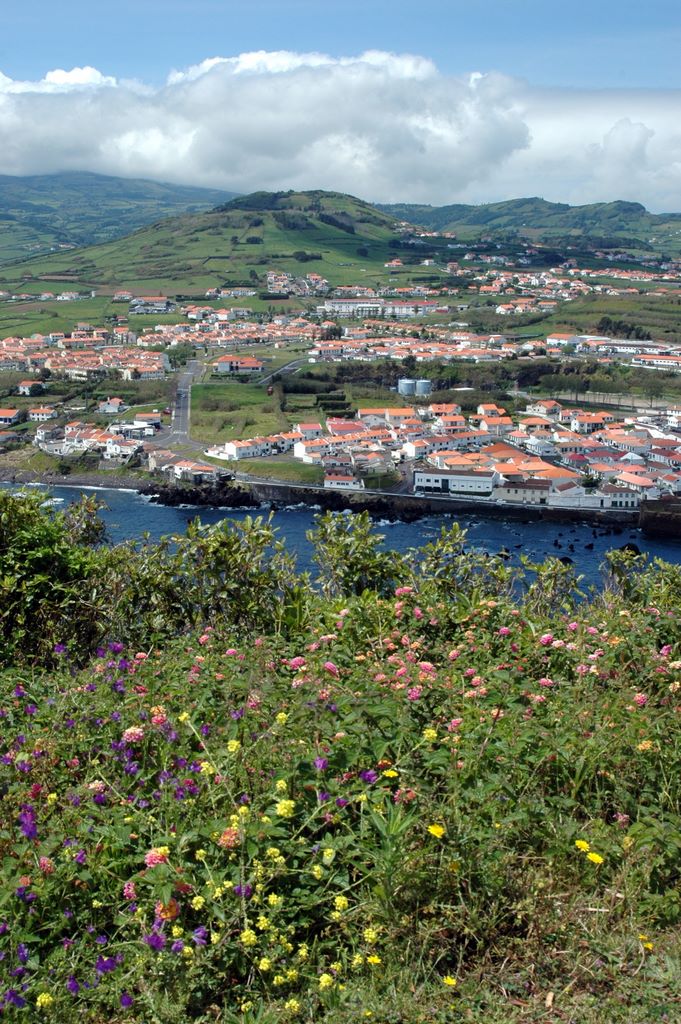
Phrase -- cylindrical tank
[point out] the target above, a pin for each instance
(406, 386)
(423, 387)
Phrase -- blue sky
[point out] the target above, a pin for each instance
(600, 43)
(441, 101)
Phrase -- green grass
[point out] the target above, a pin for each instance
(285, 469)
(229, 411)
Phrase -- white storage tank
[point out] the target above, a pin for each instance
(423, 387)
(406, 386)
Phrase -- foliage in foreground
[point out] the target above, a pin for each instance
(453, 798)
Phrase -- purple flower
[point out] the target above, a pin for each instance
(13, 997)
(200, 936)
(369, 775)
(341, 801)
(115, 647)
(80, 857)
(27, 821)
(321, 763)
(155, 940)
(31, 709)
(22, 953)
(59, 648)
(126, 1000)
(236, 714)
(105, 964)
(177, 946)
(243, 890)
(72, 985)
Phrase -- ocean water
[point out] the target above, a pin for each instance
(128, 515)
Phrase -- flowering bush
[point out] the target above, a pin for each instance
(289, 824)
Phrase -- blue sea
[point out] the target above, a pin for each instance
(128, 515)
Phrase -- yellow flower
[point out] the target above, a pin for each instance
(248, 937)
(357, 960)
(264, 963)
(233, 746)
(44, 1001)
(303, 952)
(449, 980)
(188, 951)
(285, 808)
(278, 979)
(245, 1007)
(582, 845)
(430, 735)
(184, 717)
(51, 798)
(292, 1006)
(340, 902)
(198, 903)
(373, 959)
(328, 855)
(200, 855)
(325, 981)
(595, 858)
(292, 973)
(644, 746)
(643, 939)
(207, 768)
(437, 830)
(274, 900)
(177, 931)
(390, 773)
(281, 786)
(281, 718)
(370, 935)
(316, 870)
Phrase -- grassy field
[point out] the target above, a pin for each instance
(286, 469)
(227, 411)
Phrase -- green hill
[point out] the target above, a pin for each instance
(44, 212)
(618, 222)
(334, 235)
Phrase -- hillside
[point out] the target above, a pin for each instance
(43, 212)
(626, 223)
(331, 234)
(416, 789)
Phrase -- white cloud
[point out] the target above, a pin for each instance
(383, 126)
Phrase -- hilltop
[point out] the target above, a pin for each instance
(326, 232)
(48, 211)
(620, 222)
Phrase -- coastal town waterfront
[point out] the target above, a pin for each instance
(129, 516)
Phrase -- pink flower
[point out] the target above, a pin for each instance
(297, 662)
(403, 590)
(46, 865)
(129, 891)
(665, 651)
(572, 626)
(641, 699)
(503, 631)
(546, 639)
(204, 639)
(418, 614)
(545, 681)
(331, 668)
(454, 724)
(156, 856)
(135, 734)
(414, 693)
(141, 656)
(453, 655)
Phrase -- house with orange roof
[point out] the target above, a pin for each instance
(8, 417)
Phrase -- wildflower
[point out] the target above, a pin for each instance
(340, 902)
(198, 903)
(200, 855)
(449, 981)
(640, 699)
(430, 735)
(303, 952)
(285, 808)
(206, 768)
(325, 981)
(595, 858)
(264, 963)
(281, 718)
(126, 1000)
(157, 855)
(321, 763)
(437, 830)
(647, 945)
(390, 773)
(248, 937)
(370, 935)
(644, 746)
(292, 1006)
(44, 1001)
(582, 845)
(135, 734)
(233, 746)
(328, 855)
(373, 959)
(168, 911)
(274, 900)
(357, 960)
(155, 940)
(229, 838)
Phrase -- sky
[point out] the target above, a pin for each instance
(443, 102)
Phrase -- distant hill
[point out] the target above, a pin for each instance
(44, 212)
(335, 235)
(617, 222)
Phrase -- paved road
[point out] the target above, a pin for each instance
(178, 432)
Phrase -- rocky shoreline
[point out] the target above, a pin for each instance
(402, 507)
